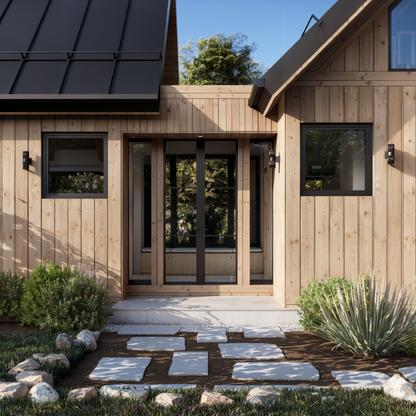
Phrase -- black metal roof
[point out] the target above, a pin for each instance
(82, 55)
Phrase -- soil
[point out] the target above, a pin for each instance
(297, 346)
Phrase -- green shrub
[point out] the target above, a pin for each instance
(367, 321)
(310, 313)
(11, 291)
(409, 343)
(63, 299)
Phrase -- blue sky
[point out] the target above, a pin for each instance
(274, 25)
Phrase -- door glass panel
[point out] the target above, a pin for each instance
(220, 262)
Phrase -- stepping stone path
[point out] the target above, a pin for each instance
(149, 330)
(360, 379)
(156, 344)
(275, 371)
(212, 335)
(409, 373)
(121, 369)
(251, 351)
(189, 364)
(263, 332)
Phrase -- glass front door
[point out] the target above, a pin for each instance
(200, 212)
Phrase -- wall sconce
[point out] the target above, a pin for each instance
(272, 158)
(26, 160)
(389, 155)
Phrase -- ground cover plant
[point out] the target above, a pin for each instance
(17, 346)
(344, 402)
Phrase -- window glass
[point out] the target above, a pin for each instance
(403, 35)
(75, 164)
(335, 160)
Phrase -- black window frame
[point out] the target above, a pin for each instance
(45, 165)
(390, 9)
(368, 191)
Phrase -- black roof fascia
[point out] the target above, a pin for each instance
(304, 49)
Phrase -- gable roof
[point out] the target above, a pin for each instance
(321, 41)
(82, 55)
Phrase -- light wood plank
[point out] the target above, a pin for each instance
(61, 232)
(48, 231)
(352, 56)
(8, 217)
(321, 236)
(322, 105)
(74, 232)
(338, 65)
(366, 235)
(154, 168)
(336, 236)
(160, 213)
(240, 213)
(87, 233)
(351, 237)
(169, 114)
(203, 119)
(61, 123)
(183, 115)
(366, 104)
(409, 188)
(21, 194)
(87, 123)
(101, 238)
(381, 42)
(196, 115)
(74, 123)
(336, 108)
(366, 49)
(351, 104)
(222, 115)
(307, 232)
(246, 213)
(307, 104)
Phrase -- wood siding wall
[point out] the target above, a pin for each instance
(92, 231)
(349, 236)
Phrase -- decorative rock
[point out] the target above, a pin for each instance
(124, 392)
(38, 356)
(222, 387)
(83, 395)
(409, 373)
(88, 339)
(64, 342)
(262, 396)
(43, 393)
(53, 358)
(360, 379)
(96, 335)
(169, 399)
(212, 399)
(13, 391)
(25, 365)
(399, 388)
(34, 377)
(78, 343)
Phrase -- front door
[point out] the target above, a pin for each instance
(200, 212)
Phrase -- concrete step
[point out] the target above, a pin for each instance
(203, 310)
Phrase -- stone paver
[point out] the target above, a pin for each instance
(116, 369)
(126, 391)
(149, 330)
(275, 371)
(409, 373)
(360, 379)
(263, 332)
(251, 351)
(189, 364)
(212, 335)
(264, 386)
(156, 344)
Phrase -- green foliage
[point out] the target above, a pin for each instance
(11, 291)
(367, 321)
(63, 299)
(218, 60)
(86, 183)
(409, 343)
(310, 312)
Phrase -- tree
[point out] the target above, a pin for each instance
(219, 60)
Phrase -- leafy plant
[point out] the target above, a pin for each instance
(409, 343)
(88, 183)
(373, 322)
(310, 312)
(63, 299)
(11, 291)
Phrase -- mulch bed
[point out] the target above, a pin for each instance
(297, 346)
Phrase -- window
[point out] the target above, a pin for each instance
(336, 159)
(403, 35)
(75, 165)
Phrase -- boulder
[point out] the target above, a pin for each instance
(28, 364)
(34, 377)
(78, 343)
(399, 388)
(96, 335)
(43, 393)
(88, 339)
(262, 396)
(169, 399)
(53, 358)
(64, 342)
(83, 395)
(38, 356)
(13, 391)
(214, 398)
(124, 391)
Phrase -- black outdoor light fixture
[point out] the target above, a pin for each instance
(26, 160)
(389, 155)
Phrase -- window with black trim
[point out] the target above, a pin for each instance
(336, 159)
(402, 25)
(74, 165)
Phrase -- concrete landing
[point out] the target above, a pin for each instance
(203, 310)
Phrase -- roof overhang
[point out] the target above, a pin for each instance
(319, 38)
